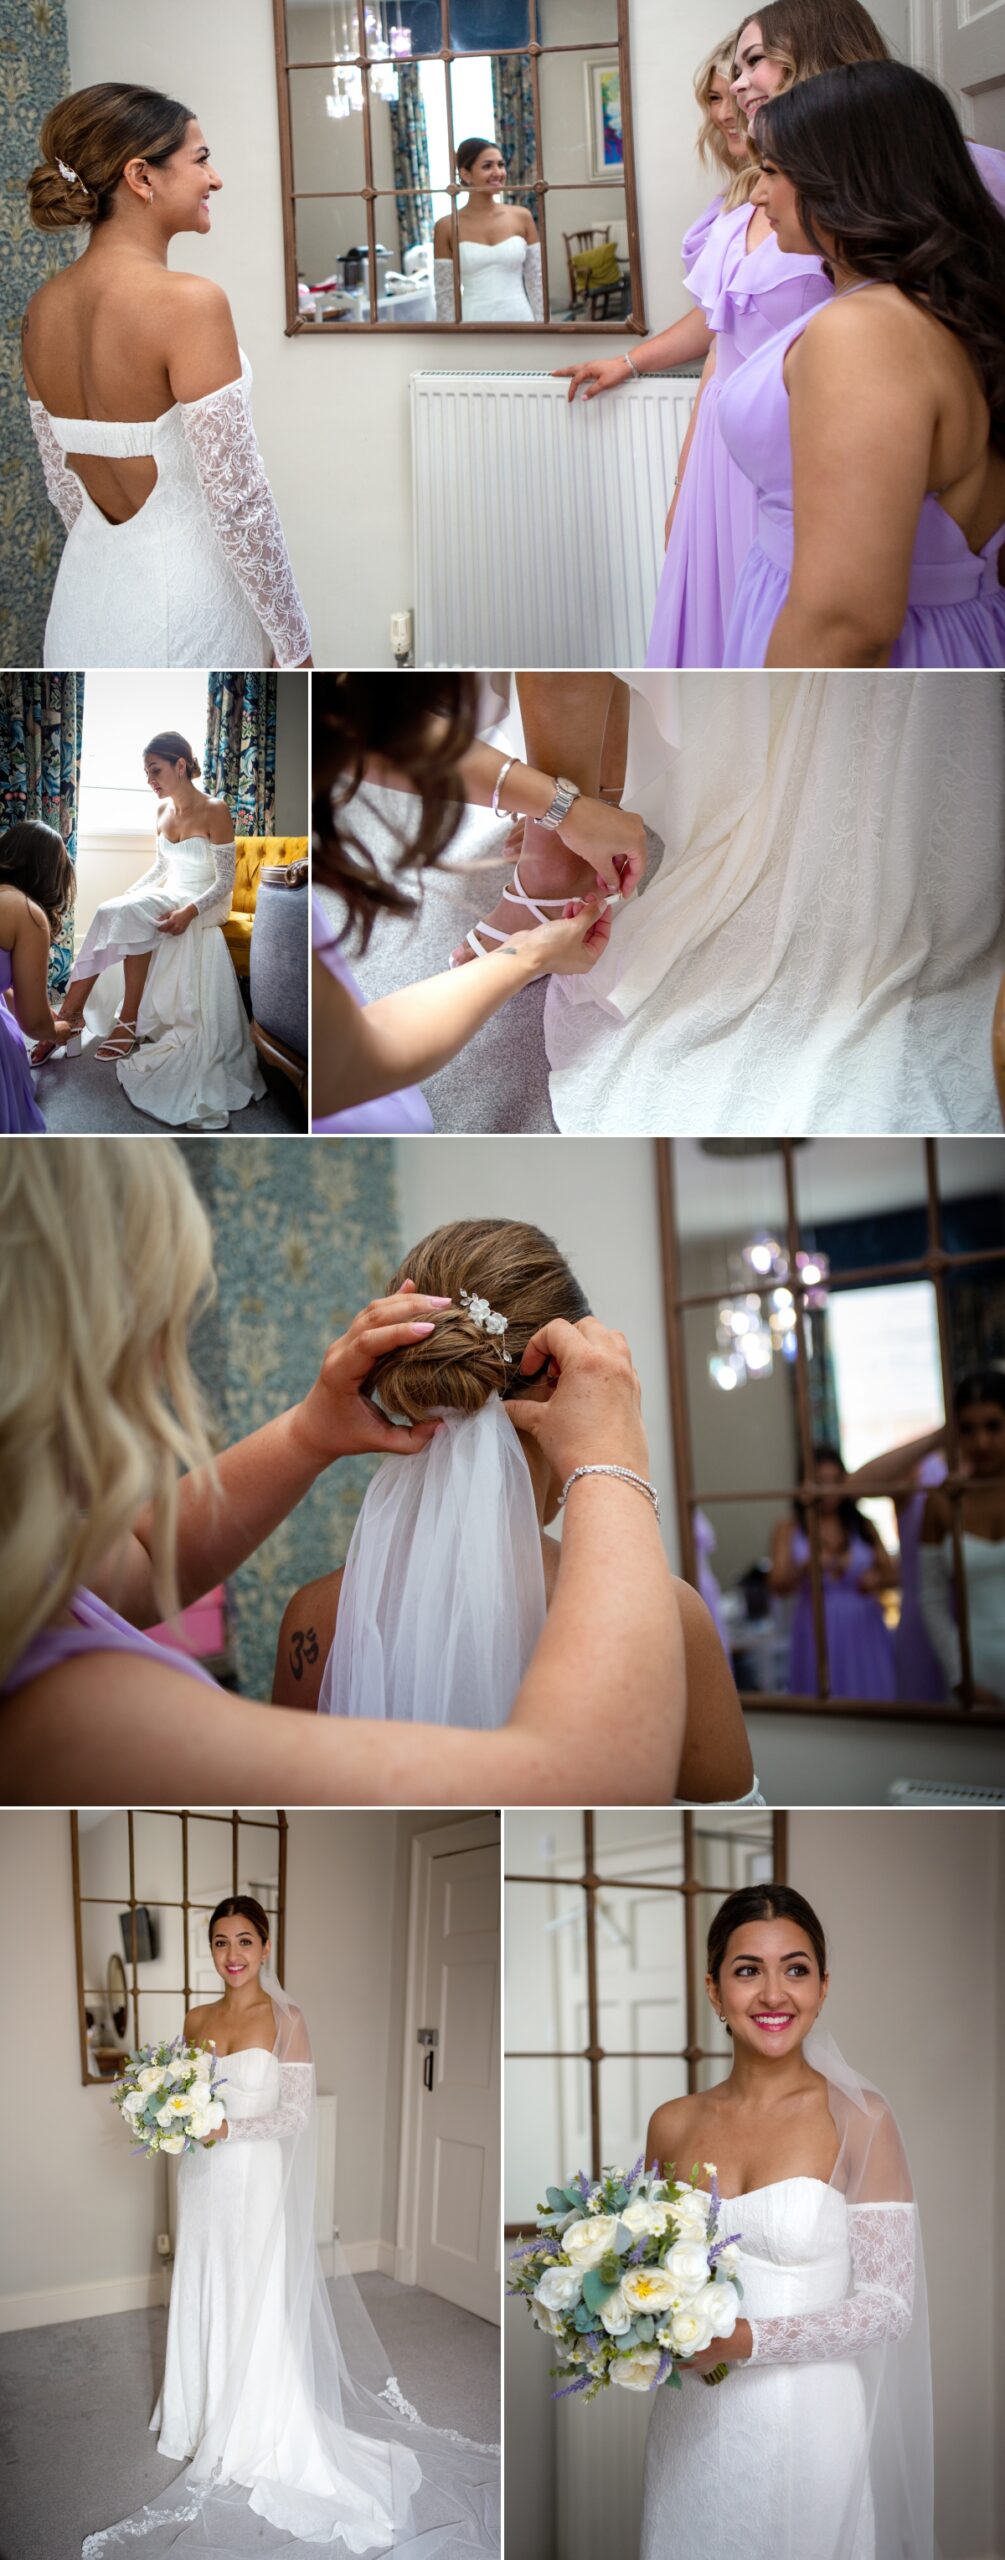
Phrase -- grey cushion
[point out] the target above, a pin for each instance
(280, 953)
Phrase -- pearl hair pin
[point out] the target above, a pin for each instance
(486, 1318)
(70, 175)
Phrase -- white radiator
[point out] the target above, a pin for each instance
(539, 526)
(930, 1791)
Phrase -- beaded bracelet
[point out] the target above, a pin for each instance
(627, 1475)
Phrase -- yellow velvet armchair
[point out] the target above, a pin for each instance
(252, 853)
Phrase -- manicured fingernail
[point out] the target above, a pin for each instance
(422, 1328)
(437, 1302)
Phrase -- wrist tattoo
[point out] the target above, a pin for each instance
(303, 1648)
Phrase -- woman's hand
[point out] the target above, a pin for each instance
(613, 841)
(604, 374)
(220, 2135)
(336, 1417)
(570, 945)
(733, 2350)
(594, 1416)
(179, 922)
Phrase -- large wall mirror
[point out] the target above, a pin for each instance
(380, 228)
(144, 1885)
(824, 1300)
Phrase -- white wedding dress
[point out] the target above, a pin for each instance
(196, 1062)
(822, 945)
(984, 1565)
(200, 576)
(500, 280)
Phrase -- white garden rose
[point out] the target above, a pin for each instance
(133, 2103)
(729, 2258)
(150, 2077)
(544, 2318)
(172, 2142)
(616, 2313)
(646, 2216)
(559, 2287)
(719, 2305)
(588, 2241)
(650, 2289)
(687, 2266)
(637, 2371)
(691, 2212)
(201, 2067)
(178, 2069)
(174, 2108)
(689, 2331)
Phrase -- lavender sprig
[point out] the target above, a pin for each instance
(721, 2245)
(569, 2387)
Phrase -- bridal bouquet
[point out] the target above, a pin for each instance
(168, 2096)
(630, 2278)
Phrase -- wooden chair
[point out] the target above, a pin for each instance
(597, 299)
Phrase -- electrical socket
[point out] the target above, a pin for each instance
(401, 638)
(163, 2244)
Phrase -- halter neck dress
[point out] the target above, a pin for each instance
(956, 603)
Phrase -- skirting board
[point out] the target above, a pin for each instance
(138, 2293)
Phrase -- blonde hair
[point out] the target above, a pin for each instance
(741, 175)
(522, 1275)
(106, 1259)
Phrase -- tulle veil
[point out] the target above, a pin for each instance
(390, 2481)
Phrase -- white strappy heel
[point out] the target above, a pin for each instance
(519, 897)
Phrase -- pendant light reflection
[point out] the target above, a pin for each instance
(757, 1327)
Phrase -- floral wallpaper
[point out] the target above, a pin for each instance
(306, 1231)
(34, 72)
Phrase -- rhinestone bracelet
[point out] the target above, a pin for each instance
(627, 1475)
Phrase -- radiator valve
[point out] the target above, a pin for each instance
(401, 639)
(164, 2244)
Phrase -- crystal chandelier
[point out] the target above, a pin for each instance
(755, 1327)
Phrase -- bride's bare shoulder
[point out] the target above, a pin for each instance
(669, 2129)
(197, 2022)
(305, 1641)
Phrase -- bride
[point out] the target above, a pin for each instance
(979, 1404)
(449, 1575)
(141, 409)
(818, 2445)
(498, 247)
(180, 1039)
(277, 2398)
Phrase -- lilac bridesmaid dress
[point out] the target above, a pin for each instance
(694, 239)
(746, 296)
(394, 1113)
(19, 1110)
(860, 1656)
(97, 1629)
(956, 605)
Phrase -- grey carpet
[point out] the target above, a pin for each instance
(500, 1080)
(75, 2447)
(82, 1097)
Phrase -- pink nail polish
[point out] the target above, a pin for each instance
(422, 1328)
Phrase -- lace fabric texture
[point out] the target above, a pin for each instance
(443, 287)
(296, 2086)
(879, 2305)
(218, 899)
(222, 442)
(62, 488)
(532, 279)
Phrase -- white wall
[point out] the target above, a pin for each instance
(292, 756)
(332, 412)
(80, 2215)
(829, 1759)
(598, 1201)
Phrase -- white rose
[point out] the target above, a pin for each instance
(546, 2319)
(172, 2109)
(687, 2266)
(691, 2212)
(559, 2287)
(133, 2103)
(729, 2258)
(178, 2069)
(588, 2241)
(171, 2142)
(688, 2332)
(644, 2218)
(719, 2306)
(201, 2067)
(150, 2078)
(637, 2371)
(616, 2313)
(650, 2289)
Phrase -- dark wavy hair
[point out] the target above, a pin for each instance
(879, 164)
(358, 716)
(468, 152)
(762, 1902)
(980, 1386)
(851, 1518)
(241, 1906)
(34, 858)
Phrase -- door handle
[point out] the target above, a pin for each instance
(427, 2071)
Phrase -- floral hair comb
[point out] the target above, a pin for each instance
(486, 1318)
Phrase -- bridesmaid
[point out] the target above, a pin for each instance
(37, 886)
(856, 1568)
(875, 438)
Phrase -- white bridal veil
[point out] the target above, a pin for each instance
(343, 2463)
(443, 1596)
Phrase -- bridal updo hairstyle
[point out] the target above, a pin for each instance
(94, 132)
(468, 152)
(359, 716)
(523, 1276)
(242, 1906)
(170, 744)
(762, 1902)
(34, 858)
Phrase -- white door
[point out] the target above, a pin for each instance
(962, 42)
(457, 2217)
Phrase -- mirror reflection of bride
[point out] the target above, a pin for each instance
(277, 2398)
(497, 245)
(450, 1574)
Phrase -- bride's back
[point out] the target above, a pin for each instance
(97, 341)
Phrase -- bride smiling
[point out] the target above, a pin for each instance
(449, 1575)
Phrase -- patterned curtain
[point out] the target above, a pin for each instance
(239, 757)
(34, 72)
(41, 723)
(411, 159)
(303, 1237)
(513, 100)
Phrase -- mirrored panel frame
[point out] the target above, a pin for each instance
(945, 1269)
(140, 1878)
(613, 1908)
(373, 102)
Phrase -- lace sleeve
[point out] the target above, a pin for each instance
(295, 2086)
(935, 1583)
(62, 487)
(222, 441)
(155, 877)
(878, 2306)
(221, 895)
(533, 285)
(443, 287)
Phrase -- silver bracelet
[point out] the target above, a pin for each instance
(631, 364)
(565, 793)
(504, 769)
(627, 1475)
